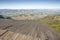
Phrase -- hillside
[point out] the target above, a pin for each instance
(54, 21)
(26, 30)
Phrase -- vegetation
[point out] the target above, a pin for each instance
(8, 18)
(54, 21)
(1, 16)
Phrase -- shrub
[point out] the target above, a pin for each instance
(1, 17)
(8, 18)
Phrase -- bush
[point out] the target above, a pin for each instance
(1, 16)
(8, 18)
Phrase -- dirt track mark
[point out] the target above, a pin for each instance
(30, 30)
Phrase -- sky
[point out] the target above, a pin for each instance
(29, 4)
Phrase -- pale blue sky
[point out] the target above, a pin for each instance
(29, 4)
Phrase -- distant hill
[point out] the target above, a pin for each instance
(19, 12)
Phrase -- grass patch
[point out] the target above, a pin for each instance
(51, 20)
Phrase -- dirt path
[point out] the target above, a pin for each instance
(27, 30)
